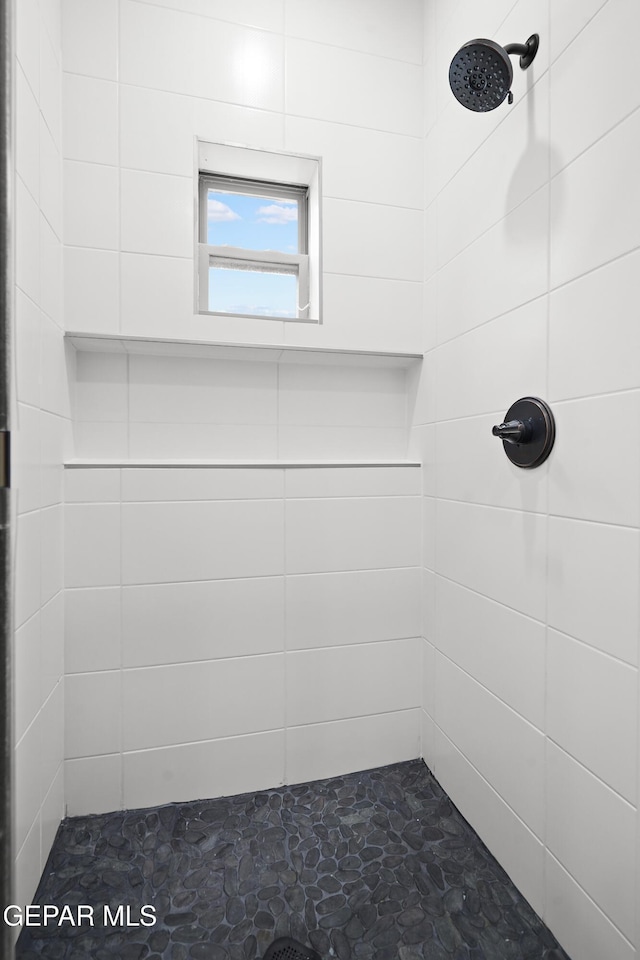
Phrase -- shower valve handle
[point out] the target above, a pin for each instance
(513, 431)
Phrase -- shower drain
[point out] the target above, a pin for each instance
(287, 949)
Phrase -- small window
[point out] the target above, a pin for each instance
(258, 233)
(253, 248)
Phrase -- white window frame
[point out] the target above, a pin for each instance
(262, 173)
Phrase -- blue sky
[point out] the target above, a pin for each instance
(254, 223)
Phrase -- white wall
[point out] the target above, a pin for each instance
(531, 578)
(142, 80)
(40, 426)
(231, 629)
(170, 696)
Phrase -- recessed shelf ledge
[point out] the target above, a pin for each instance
(126, 463)
(220, 350)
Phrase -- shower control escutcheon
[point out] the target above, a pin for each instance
(528, 432)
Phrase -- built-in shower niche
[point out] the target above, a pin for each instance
(161, 400)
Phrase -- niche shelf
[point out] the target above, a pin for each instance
(123, 345)
(224, 350)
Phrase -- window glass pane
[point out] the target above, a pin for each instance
(249, 289)
(254, 223)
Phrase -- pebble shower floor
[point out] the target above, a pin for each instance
(377, 864)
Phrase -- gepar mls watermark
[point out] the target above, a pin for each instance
(81, 914)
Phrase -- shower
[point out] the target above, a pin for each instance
(481, 74)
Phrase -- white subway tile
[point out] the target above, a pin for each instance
(52, 551)
(157, 295)
(90, 37)
(93, 713)
(264, 14)
(342, 746)
(340, 396)
(579, 806)
(93, 785)
(357, 89)
(341, 443)
(372, 240)
(90, 119)
(352, 534)
(27, 142)
(568, 20)
(209, 769)
(201, 701)
(52, 644)
(27, 29)
(200, 57)
(201, 441)
(26, 656)
(91, 290)
(27, 787)
(92, 629)
(50, 191)
(509, 753)
(355, 161)
(517, 849)
(92, 544)
(500, 648)
(188, 390)
(494, 480)
(181, 483)
(27, 241)
(596, 471)
(517, 247)
(25, 443)
(576, 920)
(50, 273)
(595, 720)
(27, 349)
(593, 578)
(590, 227)
(504, 553)
(476, 196)
(51, 813)
(54, 383)
(181, 622)
(156, 214)
(352, 482)
(50, 93)
(578, 121)
(358, 607)
(101, 388)
(28, 574)
(51, 721)
(338, 691)
(581, 360)
(91, 188)
(54, 435)
(366, 313)
(370, 26)
(91, 486)
(201, 541)
(101, 440)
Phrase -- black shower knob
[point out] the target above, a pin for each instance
(528, 432)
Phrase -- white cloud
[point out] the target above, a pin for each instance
(218, 211)
(277, 213)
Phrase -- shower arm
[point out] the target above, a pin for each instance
(526, 51)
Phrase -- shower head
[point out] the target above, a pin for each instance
(480, 74)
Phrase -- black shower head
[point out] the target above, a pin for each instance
(480, 74)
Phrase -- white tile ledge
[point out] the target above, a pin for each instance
(95, 463)
(216, 349)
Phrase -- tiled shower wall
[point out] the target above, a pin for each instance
(167, 696)
(233, 628)
(143, 80)
(40, 425)
(532, 578)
